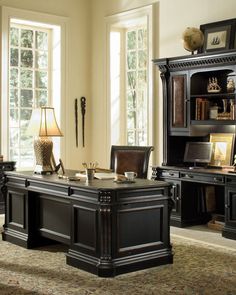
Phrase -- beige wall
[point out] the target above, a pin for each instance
(174, 16)
(78, 65)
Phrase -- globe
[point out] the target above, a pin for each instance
(193, 39)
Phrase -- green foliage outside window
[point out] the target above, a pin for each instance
(136, 85)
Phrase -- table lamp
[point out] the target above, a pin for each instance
(43, 124)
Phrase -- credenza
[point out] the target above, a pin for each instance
(189, 191)
(110, 228)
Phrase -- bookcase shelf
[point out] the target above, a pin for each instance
(213, 122)
(215, 95)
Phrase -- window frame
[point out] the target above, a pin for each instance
(60, 26)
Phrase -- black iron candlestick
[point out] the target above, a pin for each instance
(76, 122)
(83, 105)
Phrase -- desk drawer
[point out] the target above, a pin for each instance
(204, 178)
(6, 167)
(231, 180)
(169, 173)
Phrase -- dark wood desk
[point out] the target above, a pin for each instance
(109, 228)
(4, 166)
(187, 189)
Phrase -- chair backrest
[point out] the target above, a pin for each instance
(130, 158)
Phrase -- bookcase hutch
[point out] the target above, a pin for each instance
(186, 117)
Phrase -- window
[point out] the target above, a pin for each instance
(130, 77)
(29, 86)
(136, 86)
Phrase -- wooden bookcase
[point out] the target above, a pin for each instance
(187, 102)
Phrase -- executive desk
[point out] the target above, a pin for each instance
(4, 166)
(109, 228)
(189, 192)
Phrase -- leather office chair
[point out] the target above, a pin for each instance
(130, 158)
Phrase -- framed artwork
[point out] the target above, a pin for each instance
(222, 149)
(218, 36)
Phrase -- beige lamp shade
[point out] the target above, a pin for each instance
(43, 123)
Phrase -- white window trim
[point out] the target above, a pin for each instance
(150, 12)
(9, 13)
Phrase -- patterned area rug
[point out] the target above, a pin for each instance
(197, 269)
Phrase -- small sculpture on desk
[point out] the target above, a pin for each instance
(213, 86)
(60, 166)
(57, 167)
(234, 164)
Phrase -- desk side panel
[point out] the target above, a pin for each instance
(142, 222)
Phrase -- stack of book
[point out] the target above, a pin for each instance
(202, 109)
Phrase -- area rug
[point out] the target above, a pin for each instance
(197, 270)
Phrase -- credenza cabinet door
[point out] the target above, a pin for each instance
(229, 230)
(179, 103)
(175, 191)
(230, 207)
(176, 196)
(172, 177)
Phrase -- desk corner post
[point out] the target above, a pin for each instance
(105, 266)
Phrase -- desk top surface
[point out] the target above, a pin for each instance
(96, 184)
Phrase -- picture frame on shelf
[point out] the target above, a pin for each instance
(218, 36)
(222, 149)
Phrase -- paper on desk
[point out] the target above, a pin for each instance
(80, 174)
(105, 175)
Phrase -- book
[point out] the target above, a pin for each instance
(201, 109)
(198, 108)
